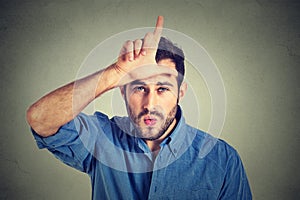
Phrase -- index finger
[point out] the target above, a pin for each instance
(159, 26)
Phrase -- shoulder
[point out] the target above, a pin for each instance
(98, 118)
(90, 123)
(214, 149)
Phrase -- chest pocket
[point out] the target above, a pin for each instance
(190, 180)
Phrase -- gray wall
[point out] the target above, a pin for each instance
(255, 44)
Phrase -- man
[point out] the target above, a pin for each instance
(152, 154)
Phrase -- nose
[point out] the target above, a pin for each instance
(150, 100)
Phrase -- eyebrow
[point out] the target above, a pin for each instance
(165, 83)
(139, 82)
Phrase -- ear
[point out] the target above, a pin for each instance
(182, 90)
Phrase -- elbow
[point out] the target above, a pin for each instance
(37, 123)
(29, 116)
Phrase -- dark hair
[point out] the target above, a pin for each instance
(166, 49)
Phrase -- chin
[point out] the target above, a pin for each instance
(151, 135)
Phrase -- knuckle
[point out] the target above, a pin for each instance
(128, 43)
(138, 41)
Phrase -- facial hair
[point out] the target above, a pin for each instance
(148, 133)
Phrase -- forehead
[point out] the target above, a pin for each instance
(162, 79)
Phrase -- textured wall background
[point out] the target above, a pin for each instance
(255, 44)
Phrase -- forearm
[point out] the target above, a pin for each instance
(57, 108)
(60, 106)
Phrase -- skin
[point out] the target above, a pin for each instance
(60, 106)
(152, 105)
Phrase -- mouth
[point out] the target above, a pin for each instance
(150, 121)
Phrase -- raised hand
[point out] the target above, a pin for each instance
(60, 106)
(140, 52)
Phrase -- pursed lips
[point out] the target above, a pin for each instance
(150, 120)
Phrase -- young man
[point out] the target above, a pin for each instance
(152, 154)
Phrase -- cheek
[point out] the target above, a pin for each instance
(171, 97)
(134, 102)
(168, 104)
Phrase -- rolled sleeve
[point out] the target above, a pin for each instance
(67, 144)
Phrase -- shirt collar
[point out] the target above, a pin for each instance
(175, 139)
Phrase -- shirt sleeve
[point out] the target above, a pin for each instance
(74, 142)
(236, 185)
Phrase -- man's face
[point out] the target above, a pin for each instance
(152, 103)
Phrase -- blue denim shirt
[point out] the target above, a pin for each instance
(190, 164)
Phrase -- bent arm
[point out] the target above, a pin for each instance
(60, 106)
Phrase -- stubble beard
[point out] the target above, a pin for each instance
(151, 133)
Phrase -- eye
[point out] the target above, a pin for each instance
(139, 89)
(162, 89)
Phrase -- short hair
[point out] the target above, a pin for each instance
(168, 50)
